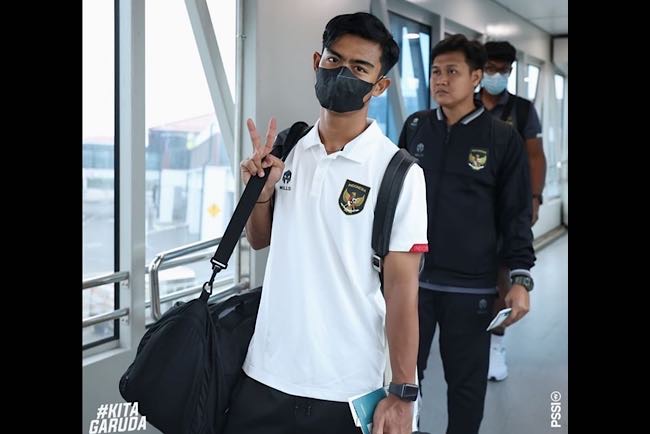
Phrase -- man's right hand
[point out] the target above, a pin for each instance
(261, 159)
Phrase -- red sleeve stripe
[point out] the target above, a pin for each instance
(419, 248)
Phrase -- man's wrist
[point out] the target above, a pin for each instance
(262, 199)
(397, 399)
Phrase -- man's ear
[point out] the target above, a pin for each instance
(316, 59)
(477, 76)
(381, 86)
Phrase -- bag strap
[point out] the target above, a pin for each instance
(500, 132)
(522, 106)
(387, 198)
(413, 126)
(521, 112)
(284, 143)
(507, 109)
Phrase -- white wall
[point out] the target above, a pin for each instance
(561, 53)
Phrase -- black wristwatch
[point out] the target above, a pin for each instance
(539, 197)
(406, 391)
(523, 280)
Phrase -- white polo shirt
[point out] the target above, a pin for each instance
(320, 326)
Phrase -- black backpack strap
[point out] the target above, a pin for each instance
(284, 143)
(500, 132)
(522, 109)
(412, 126)
(287, 139)
(387, 198)
(507, 109)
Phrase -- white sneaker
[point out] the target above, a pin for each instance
(498, 370)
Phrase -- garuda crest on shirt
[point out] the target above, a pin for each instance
(477, 158)
(353, 197)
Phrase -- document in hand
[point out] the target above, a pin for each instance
(363, 408)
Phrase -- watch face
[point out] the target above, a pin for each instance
(525, 281)
(407, 392)
(410, 391)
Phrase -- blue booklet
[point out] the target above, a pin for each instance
(363, 408)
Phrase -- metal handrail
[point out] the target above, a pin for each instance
(189, 291)
(244, 284)
(168, 255)
(168, 259)
(105, 279)
(214, 298)
(105, 317)
(196, 257)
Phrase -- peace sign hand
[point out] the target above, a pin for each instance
(262, 158)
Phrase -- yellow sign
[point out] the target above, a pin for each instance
(214, 210)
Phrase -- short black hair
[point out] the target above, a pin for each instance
(368, 27)
(501, 50)
(474, 51)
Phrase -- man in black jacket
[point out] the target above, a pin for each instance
(478, 191)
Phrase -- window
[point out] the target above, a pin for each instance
(555, 142)
(559, 87)
(512, 79)
(98, 163)
(532, 79)
(414, 42)
(189, 182)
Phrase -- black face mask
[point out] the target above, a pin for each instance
(339, 90)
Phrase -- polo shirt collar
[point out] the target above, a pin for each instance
(357, 150)
(467, 118)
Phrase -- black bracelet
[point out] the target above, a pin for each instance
(265, 200)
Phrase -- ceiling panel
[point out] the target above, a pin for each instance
(550, 15)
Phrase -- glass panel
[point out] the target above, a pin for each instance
(98, 162)
(553, 143)
(532, 79)
(414, 42)
(512, 79)
(559, 87)
(96, 301)
(189, 180)
(98, 150)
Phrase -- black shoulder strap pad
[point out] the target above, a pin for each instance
(287, 139)
(387, 198)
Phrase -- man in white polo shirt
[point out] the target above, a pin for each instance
(323, 325)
